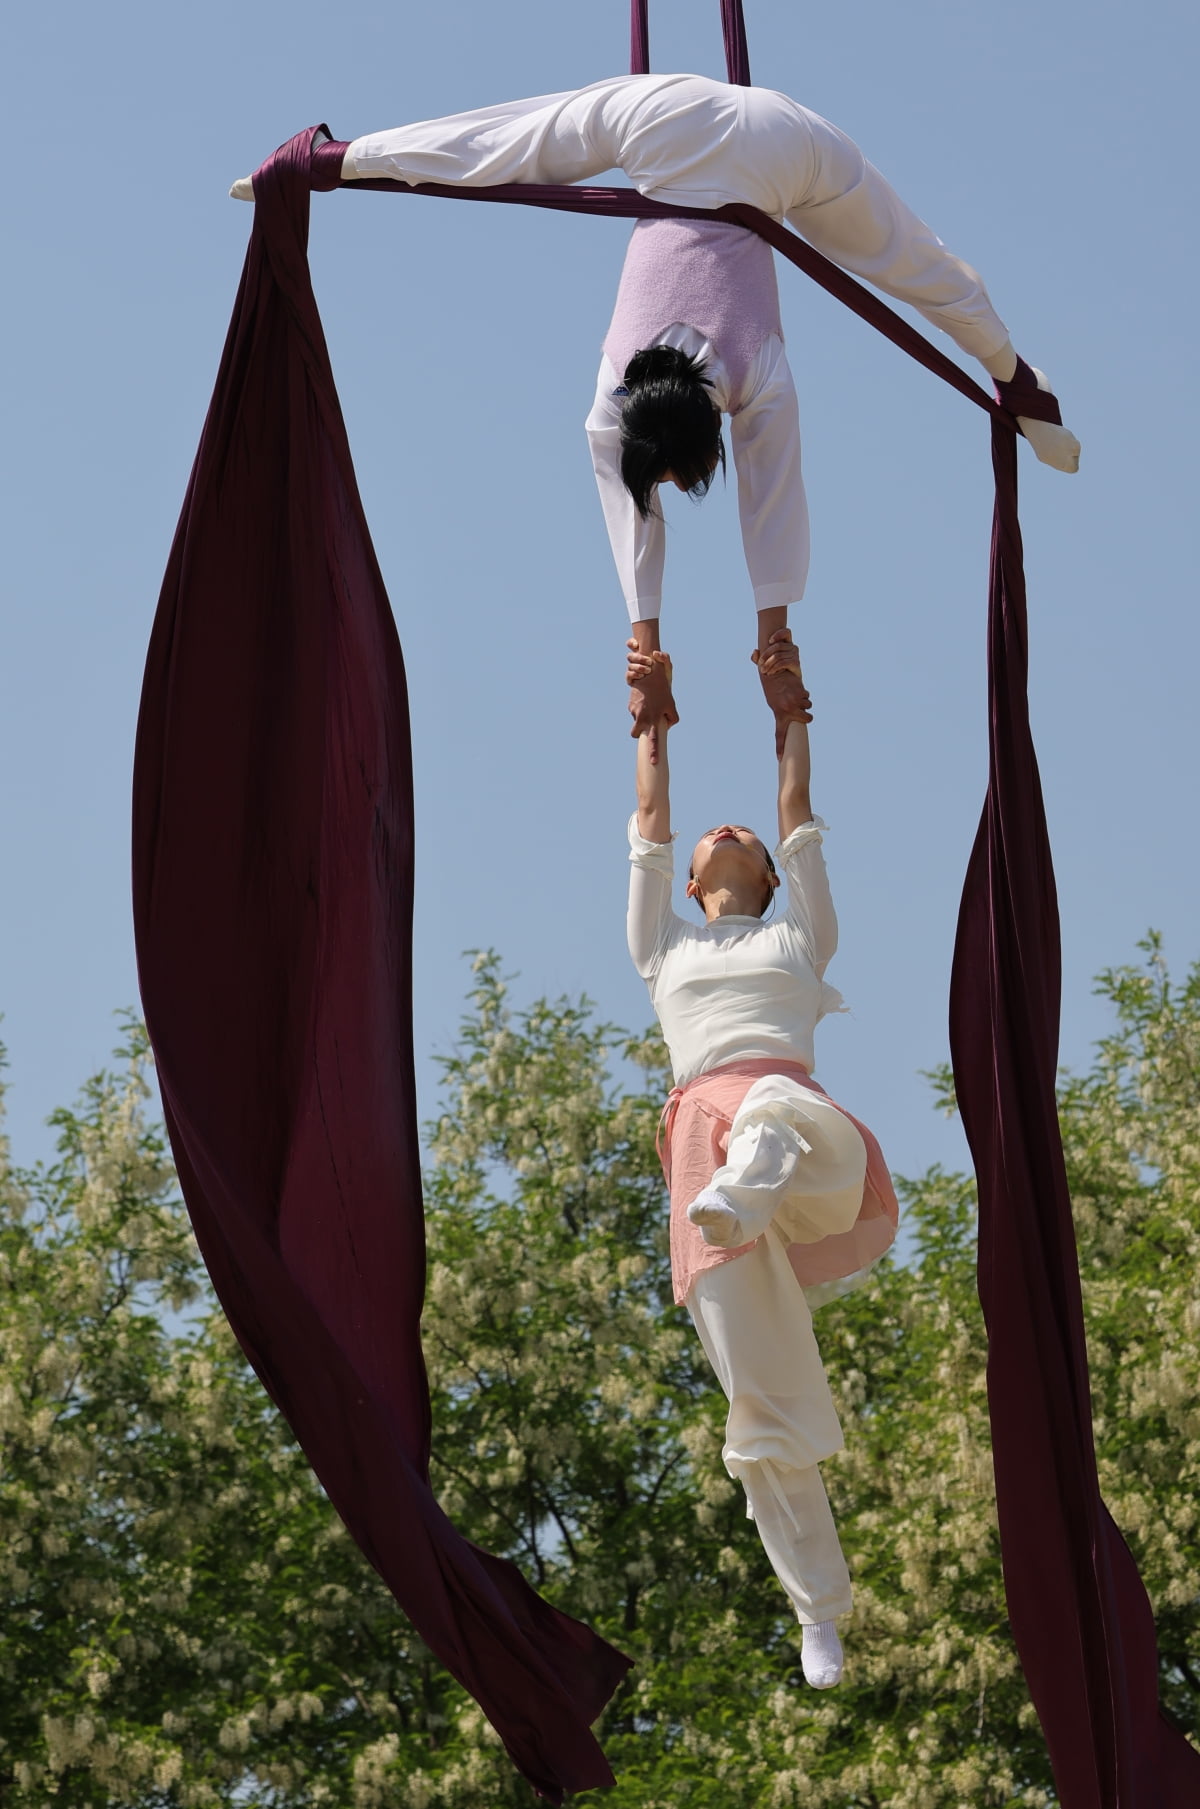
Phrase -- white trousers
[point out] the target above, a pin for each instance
(793, 1160)
(757, 1333)
(699, 143)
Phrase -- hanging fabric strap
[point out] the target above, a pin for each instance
(639, 37)
(273, 888)
(737, 53)
(733, 31)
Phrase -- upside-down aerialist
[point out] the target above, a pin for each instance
(696, 332)
(773, 1187)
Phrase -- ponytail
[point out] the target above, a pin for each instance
(669, 422)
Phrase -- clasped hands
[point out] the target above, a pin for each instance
(651, 702)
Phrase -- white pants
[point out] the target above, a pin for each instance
(793, 1160)
(794, 1169)
(699, 143)
(757, 1333)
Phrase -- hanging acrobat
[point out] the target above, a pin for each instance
(696, 331)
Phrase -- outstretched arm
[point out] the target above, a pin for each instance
(795, 766)
(778, 660)
(638, 547)
(651, 921)
(791, 732)
(653, 767)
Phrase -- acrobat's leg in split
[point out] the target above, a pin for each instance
(684, 139)
(757, 1333)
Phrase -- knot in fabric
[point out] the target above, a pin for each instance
(325, 170)
(1022, 396)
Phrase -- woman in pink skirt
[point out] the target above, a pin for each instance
(774, 1188)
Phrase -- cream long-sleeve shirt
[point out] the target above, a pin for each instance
(764, 432)
(739, 988)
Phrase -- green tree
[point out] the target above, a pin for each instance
(186, 1622)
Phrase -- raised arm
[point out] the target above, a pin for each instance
(779, 666)
(810, 907)
(795, 804)
(651, 922)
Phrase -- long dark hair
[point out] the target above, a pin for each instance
(668, 423)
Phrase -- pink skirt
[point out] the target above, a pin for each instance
(692, 1140)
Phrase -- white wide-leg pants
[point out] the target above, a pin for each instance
(757, 1332)
(792, 1160)
(699, 143)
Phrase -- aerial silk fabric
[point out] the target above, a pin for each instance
(1078, 1609)
(273, 877)
(273, 871)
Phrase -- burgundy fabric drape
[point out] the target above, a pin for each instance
(737, 51)
(1079, 1612)
(273, 871)
(639, 37)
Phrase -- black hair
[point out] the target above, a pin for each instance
(668, 423)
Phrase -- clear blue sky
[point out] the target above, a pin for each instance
(1049, 145)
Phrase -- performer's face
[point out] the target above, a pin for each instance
(731, 854)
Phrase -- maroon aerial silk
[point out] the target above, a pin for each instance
(273, 879)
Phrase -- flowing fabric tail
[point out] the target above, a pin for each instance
(273, 881)
(1079, 1612)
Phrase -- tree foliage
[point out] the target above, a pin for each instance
(185, 1621)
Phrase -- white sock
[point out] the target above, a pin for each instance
(821, 1655)
(1053, 445)
(716, 1218)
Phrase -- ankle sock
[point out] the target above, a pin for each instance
(821, 1655)
(717, 1219)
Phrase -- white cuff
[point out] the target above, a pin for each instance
(805, 832)
(778, 596)
(659, 857)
